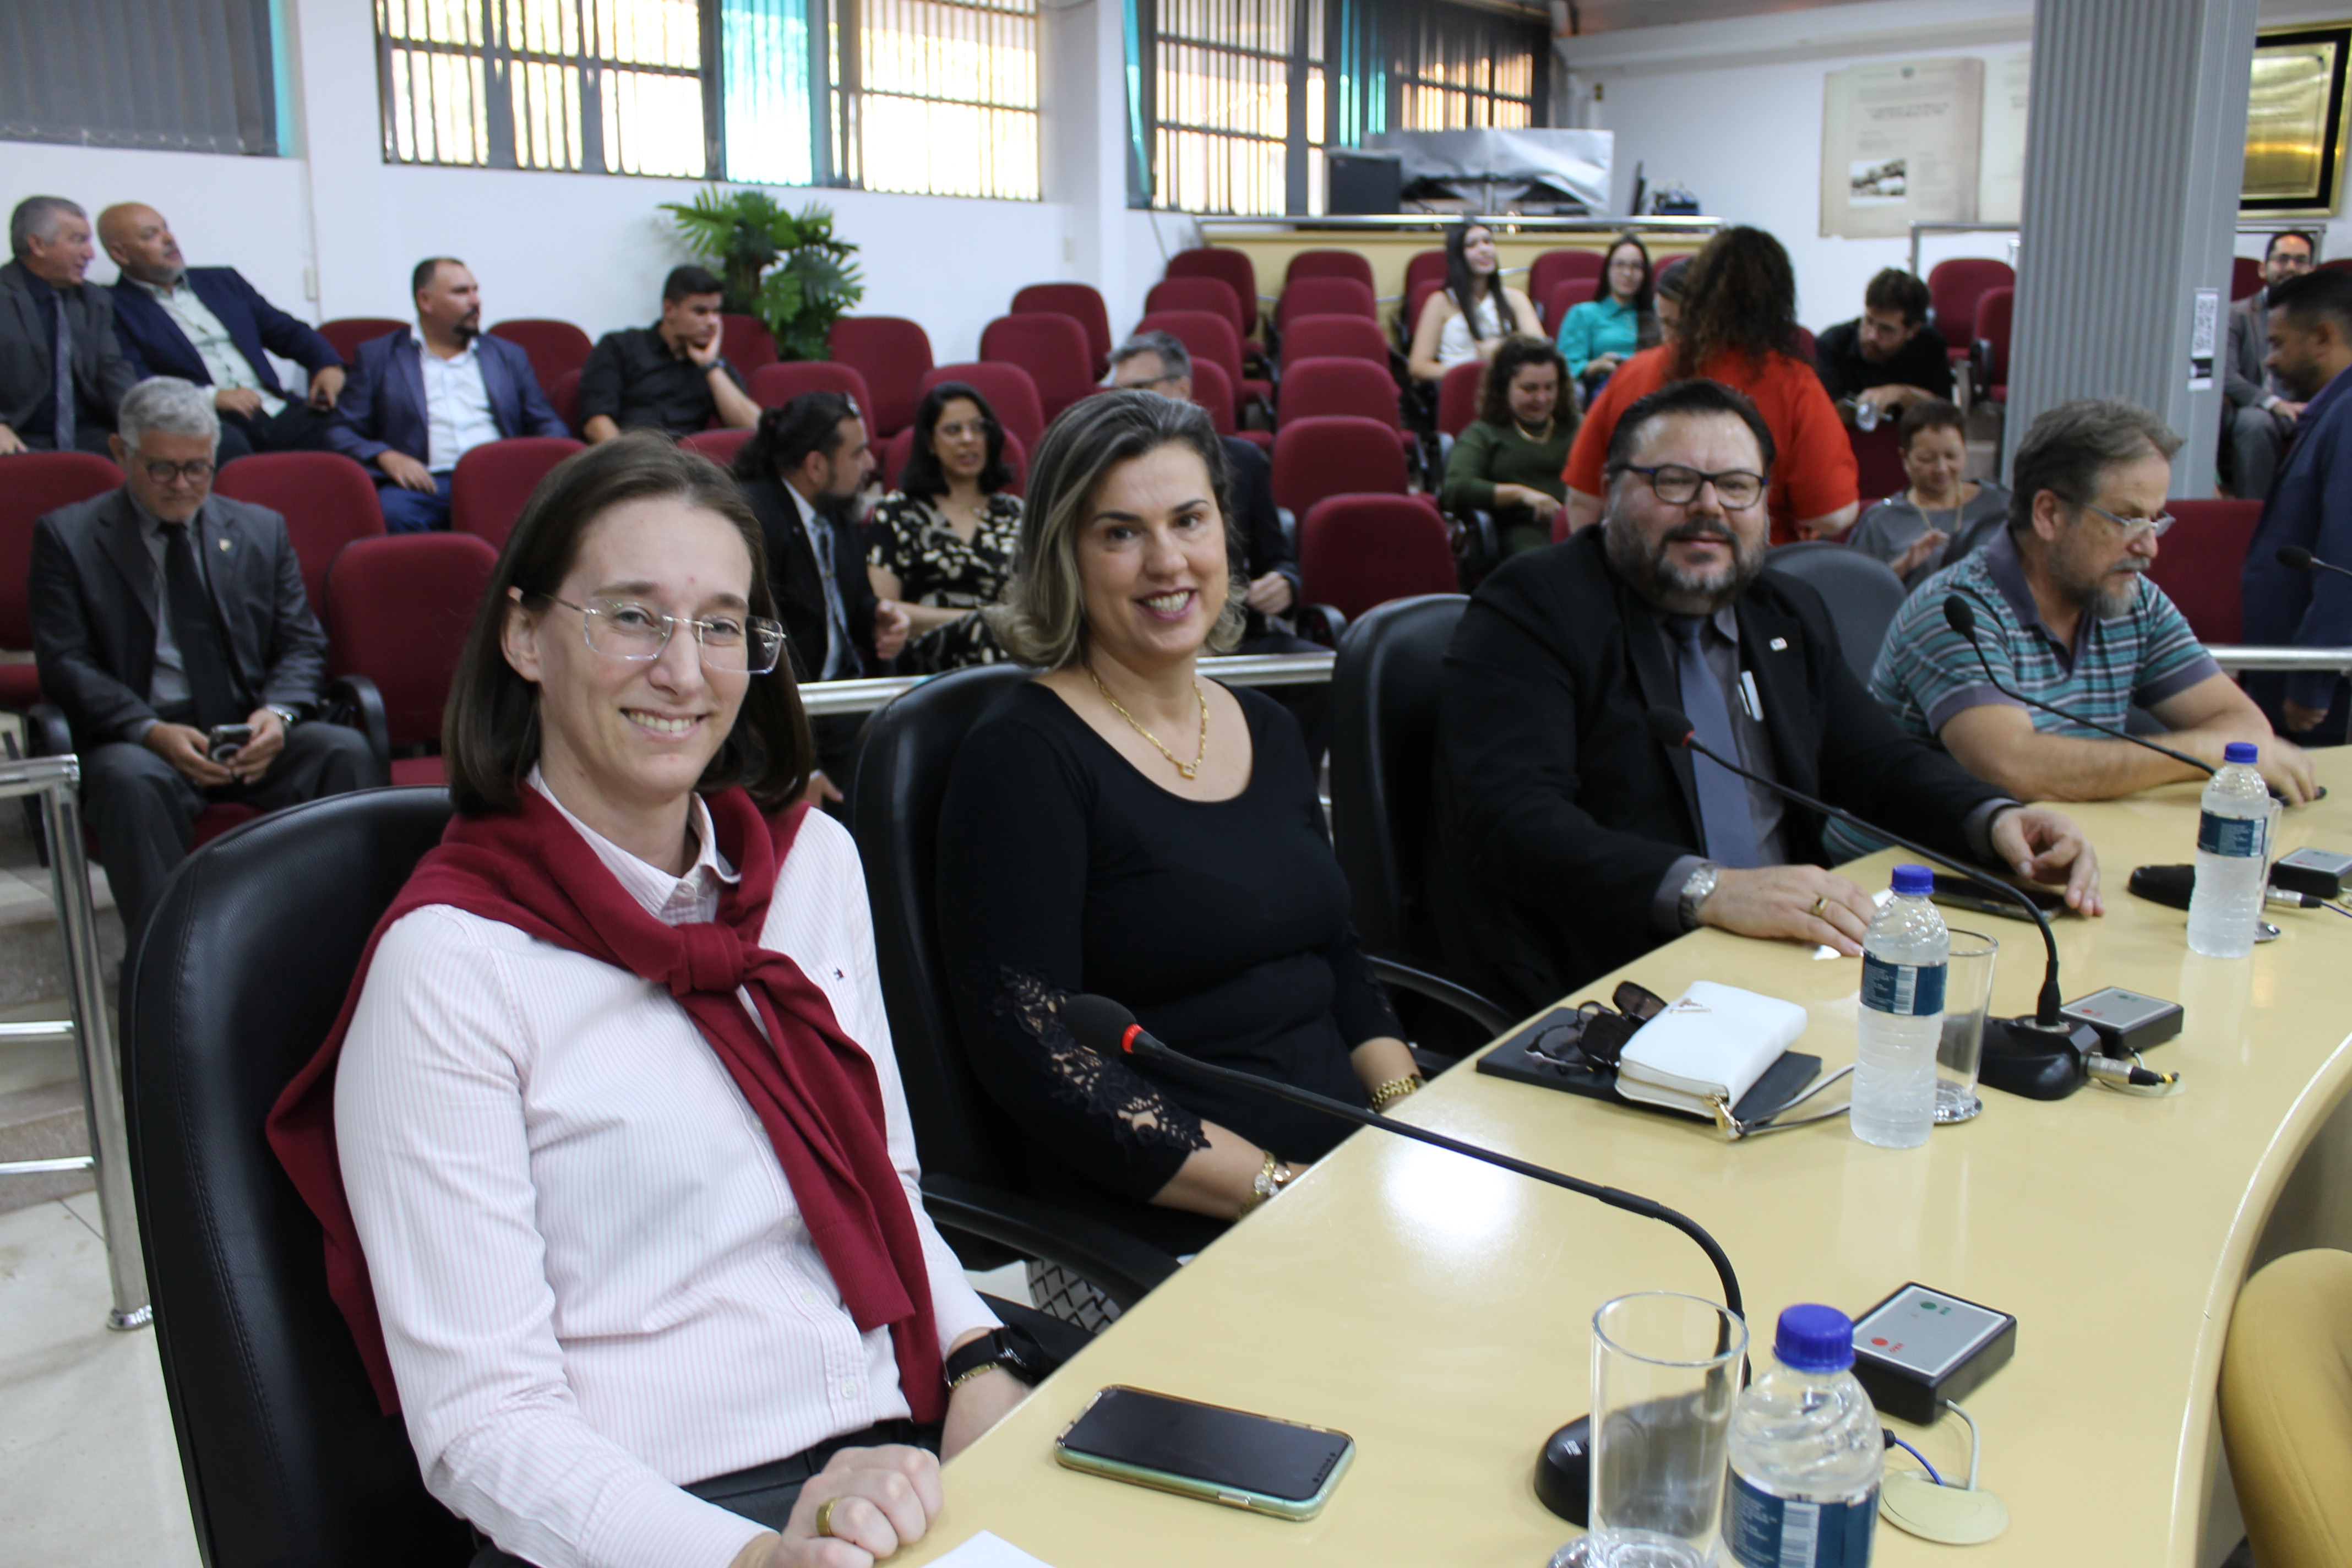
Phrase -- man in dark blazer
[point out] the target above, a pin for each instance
(52, 401)
(160, 612)
(420, 399)
(209, 326)
(1573, 841)
(2258, 417)
(802, 471)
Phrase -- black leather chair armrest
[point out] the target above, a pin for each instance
(1487, 1014)
(47, 733)
(1321, 624)
(353, 700)
(1122, 1267)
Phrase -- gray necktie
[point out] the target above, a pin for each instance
(837, 616)
(65, 387)
(1724, 817)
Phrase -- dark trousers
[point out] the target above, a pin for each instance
(297, 427)
(765, 1494)
(414, 511)
(144, 810)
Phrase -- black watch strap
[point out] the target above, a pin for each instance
(1008, 1348)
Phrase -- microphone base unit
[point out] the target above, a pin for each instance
(2022, 1057)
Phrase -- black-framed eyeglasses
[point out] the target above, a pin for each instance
(625, 629)
(1676, 485)
(1595, 1035)
(162, 473)
(2135, 528)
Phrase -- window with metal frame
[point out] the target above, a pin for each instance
(936, 97)
(1454, 68)
(180, 76)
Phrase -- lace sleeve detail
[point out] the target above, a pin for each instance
(1079, 1076)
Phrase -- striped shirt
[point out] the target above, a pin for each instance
(593, 1281)
(1926, 672)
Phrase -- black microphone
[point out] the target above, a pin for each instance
(2297, 558)
(2040, 1058)
(1563, 1467)
(1963, 620)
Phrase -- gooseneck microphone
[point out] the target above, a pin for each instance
(1961, 618)
(2296, 558)
(2041, 1057)
(1108, 1028)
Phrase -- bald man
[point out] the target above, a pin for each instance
(208, 325)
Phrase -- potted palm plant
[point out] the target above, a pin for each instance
(791, 272)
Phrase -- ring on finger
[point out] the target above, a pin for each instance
(1820, 905)
(824, 1515)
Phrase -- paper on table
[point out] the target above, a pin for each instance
(988, 1551)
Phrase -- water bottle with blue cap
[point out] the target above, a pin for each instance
(1807, 1452)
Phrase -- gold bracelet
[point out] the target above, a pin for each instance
(1264, 1186)
(1396, 1089)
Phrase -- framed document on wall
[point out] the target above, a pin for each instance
(1899, 146)
(2295, 122)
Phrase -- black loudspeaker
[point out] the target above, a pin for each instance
(1361, 182)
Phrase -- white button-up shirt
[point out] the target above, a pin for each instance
(456, 403)
(593, 1280)
(224, 360)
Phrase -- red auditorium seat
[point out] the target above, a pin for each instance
(1213, 392)
(37, 483)
(1426, 267)
(1334, 337)
(1209, 336)
(492, 481)
(1670, 264)
(890, 460)
(2341, 264)
(2245, 277)
(1050, 348)
(346, 334)
(719, 446)
(1416, 295)
(565, 395)
(1565, 297)
(401, 608)
(1994, 307)
(1335, 454)
(2198, 561)
(554, 347)
(1234, 267)
(1878, 456)
(1326, 297)
(1312, 388)
(1083, 303)
(746, 343)
(1804, 345)
(1458, 397)
(892, 354)
(327, 500)
(774, 385)
(1554, 268)
(1009, 389)
(1357, 552)
(1211, 294)
(1954, 290)
(1327, 264)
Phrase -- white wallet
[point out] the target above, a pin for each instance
(1708, 1047)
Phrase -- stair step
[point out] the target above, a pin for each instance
(43, 1123)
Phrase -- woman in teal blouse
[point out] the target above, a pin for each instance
(1599, 334)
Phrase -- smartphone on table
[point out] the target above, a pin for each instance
(1286, 1469)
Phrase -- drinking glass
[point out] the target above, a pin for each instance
(1968, 994)
(1666, 1372)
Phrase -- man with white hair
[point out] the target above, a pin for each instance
(61, 371)
(165, 617)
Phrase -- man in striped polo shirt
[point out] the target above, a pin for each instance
(2064, 615)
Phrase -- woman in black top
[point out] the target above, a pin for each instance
(1120, 825)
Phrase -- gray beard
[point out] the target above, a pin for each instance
(1669, 588)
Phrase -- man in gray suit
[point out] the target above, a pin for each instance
(2261, 416)
(161, 613)
(61, 371)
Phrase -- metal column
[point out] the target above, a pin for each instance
(2133, 162)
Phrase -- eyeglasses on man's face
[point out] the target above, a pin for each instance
(2135, 529)
(631, 629)
(162, 473)
(1676, 485)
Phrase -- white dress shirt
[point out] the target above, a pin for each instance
(457, 405)
(593, 1280)
(224, 360)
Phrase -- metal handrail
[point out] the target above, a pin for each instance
(1662, 222)
(57, 782)
(820, 698)
(2239, 660)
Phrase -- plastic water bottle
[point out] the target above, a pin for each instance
(1904, 955)
(2232, 858)
(1807, 1452)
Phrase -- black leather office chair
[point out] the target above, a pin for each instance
(1862, 592)
(972, 1174)
(1383, 750)
(241, 974)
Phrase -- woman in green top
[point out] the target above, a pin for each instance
(1598, 335)
(1510, 459)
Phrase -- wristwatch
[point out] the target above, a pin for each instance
(1695, 891)
(1008, 1348)
(286, 716)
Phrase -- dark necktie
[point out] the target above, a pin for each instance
(203, 655)
(1724, 819)
(64, 388)
(836, 616)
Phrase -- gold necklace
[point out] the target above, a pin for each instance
(1530, 434)
(1189, 770)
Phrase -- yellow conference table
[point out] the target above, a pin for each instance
(1440, 1310)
